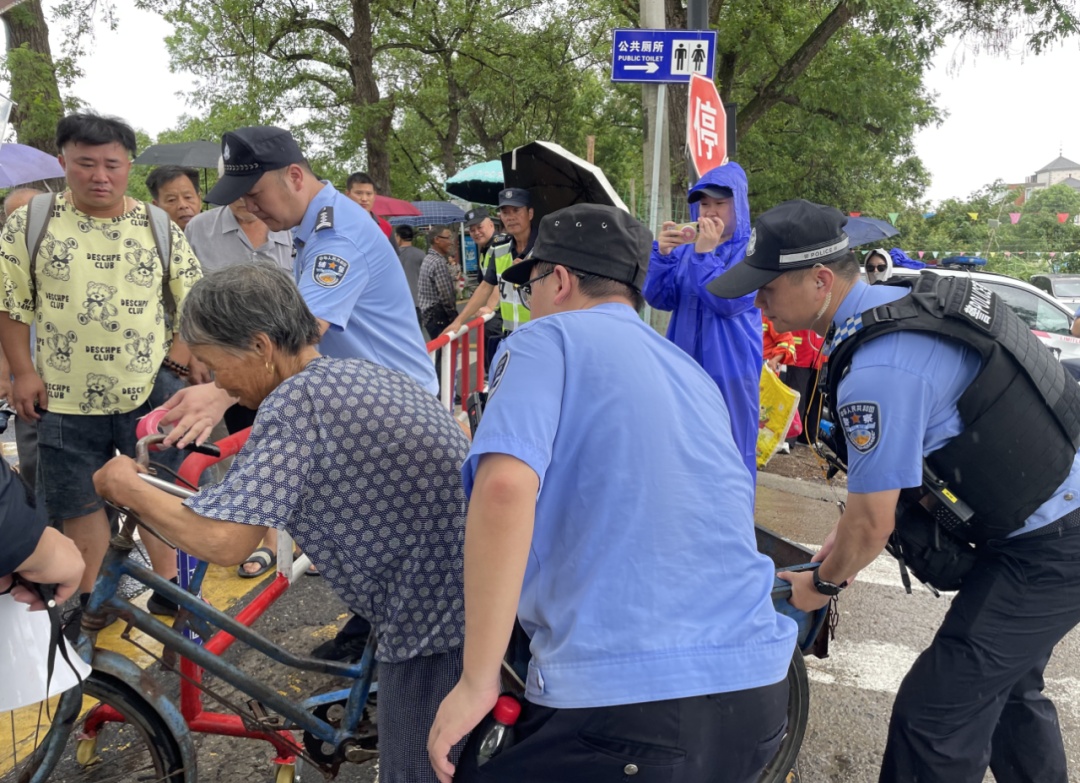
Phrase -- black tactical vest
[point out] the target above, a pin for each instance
(1021, 414)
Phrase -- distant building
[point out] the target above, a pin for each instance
(1059, 171)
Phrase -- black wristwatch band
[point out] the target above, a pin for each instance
(827, 588)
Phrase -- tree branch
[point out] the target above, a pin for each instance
(796, 65)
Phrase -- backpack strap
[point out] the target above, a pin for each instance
(38, 214)
(161, 228)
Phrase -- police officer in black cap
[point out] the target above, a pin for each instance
(960, 433)
(644, 521)
(485, 298)
(505, 250)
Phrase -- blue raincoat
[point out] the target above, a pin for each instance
(723, 335)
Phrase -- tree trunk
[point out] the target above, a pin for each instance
(32, 74)
(366, 95)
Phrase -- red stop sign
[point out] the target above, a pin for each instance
(706, 125)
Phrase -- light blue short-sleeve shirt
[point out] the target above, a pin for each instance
(643, 580)
(897, 404)
(350, 277)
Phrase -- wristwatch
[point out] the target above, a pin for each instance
(827, 588)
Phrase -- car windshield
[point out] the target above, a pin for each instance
(1067, 288)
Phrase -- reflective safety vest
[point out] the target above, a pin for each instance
(513, 312)
(1021, 413)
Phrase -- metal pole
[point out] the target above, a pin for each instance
(654, 196)
(658, 143)
(697, 14)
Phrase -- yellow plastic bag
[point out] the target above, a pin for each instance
(778, 406)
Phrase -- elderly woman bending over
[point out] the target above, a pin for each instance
(357, 462)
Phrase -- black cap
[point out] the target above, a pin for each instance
(712, 191)
(592, 238)
(514, 197)
(474, 217)
(793, 235)
(247, 154)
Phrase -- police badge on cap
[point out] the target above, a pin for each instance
(514, 197)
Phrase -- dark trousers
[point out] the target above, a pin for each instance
(435, 323)
(803, 380)
(974, 698)
(722, 738)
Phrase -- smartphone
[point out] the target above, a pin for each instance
(688, 231)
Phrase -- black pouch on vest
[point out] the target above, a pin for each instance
(927, 548)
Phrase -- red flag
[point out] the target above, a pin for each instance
(921, 252)
(1062, 217)
(855, 214)
(1014, 217)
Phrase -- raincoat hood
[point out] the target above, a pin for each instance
(730, 175)
(874, 277)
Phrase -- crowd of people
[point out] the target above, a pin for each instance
(603, 511)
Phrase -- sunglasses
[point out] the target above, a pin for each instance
(877, 268)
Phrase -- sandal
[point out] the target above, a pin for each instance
(311, 570)
(263, 557)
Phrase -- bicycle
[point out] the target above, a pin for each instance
(136, 732)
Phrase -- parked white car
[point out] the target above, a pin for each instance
(1047, 318)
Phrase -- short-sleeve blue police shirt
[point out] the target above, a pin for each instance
(350, 277)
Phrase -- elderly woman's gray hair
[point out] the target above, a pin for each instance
(229, 306)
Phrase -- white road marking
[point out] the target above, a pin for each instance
(875, 666)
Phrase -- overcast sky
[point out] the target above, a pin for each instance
(1008, 116)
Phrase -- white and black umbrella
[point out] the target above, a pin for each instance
(557, 178)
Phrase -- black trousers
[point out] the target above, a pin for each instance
(802, 380)
(435, 323)
(722, 738)
(974, 698)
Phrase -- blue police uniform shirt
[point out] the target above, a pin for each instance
(351, 278)
(360, 465)
(897, 404)
(643, 581)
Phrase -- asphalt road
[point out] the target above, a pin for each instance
(880, 633)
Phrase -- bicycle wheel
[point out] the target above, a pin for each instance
(140, 748)
(32, 737)
(782, 763)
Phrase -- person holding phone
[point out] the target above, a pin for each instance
(722, 335)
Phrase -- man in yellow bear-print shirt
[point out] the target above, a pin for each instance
(105, 322)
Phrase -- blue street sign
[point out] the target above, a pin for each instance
(662, 55)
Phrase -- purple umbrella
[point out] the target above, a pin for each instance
(20, 164)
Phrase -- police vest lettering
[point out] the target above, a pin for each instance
(1021, 413)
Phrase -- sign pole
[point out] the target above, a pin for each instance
(658, 140)
(654, 196)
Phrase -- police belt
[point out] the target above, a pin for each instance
(1057, 527)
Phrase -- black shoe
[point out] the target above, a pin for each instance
(159, 604)
(347, 649)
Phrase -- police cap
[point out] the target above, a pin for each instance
(794, 235)
(247, 154)
(474, 217)
(514, 197)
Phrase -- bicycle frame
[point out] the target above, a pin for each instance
(218, 631)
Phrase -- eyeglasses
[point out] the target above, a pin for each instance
(526, 289)
(878, 268)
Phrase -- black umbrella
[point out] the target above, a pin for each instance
(557, 178)
(199, 154)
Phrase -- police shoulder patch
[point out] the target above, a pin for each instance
(329, 270)
(497, 374)
(862, 424)
(325, 219)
